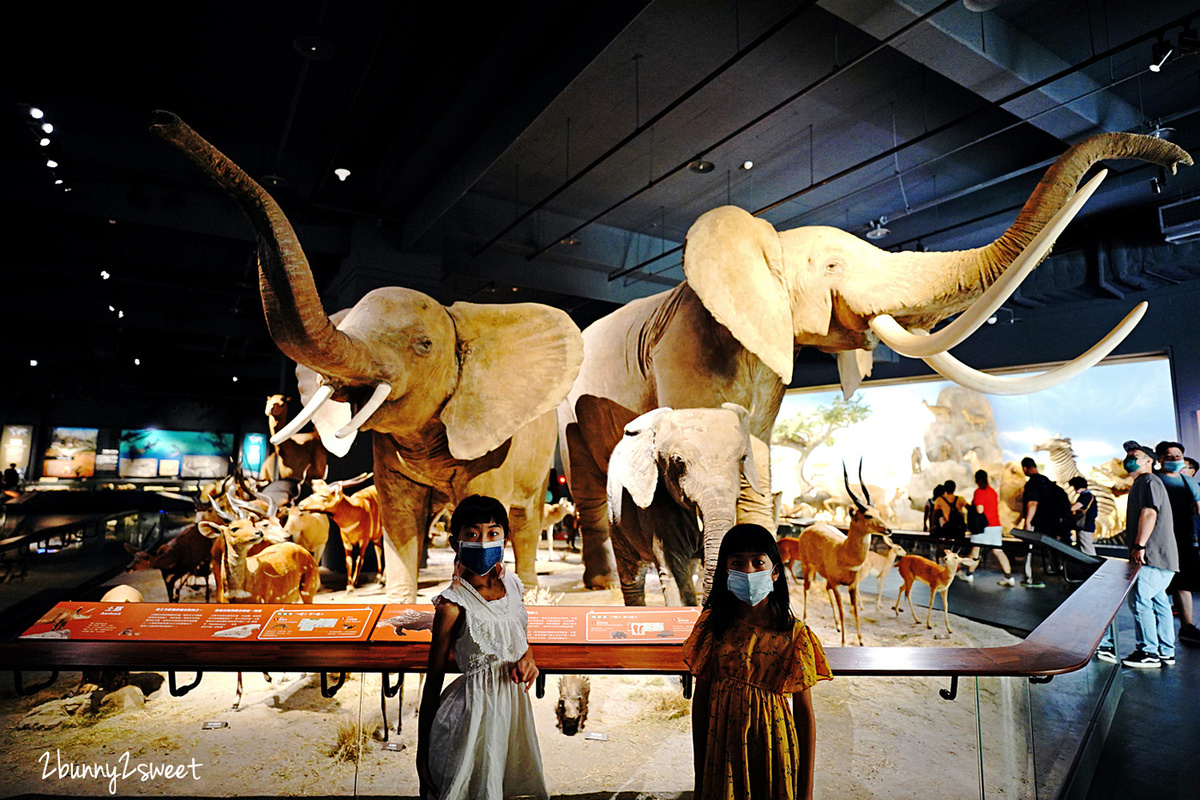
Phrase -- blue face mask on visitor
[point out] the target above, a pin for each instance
(480, 557)
(1173, 466)
(750, 587)
(1130, 463)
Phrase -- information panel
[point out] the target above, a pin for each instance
(558, 624)
(198, 622)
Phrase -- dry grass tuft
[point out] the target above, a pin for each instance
(350, 741)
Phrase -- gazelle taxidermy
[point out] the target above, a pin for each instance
(939, 578)
(880, 564)
(281, 573)
(839, 557)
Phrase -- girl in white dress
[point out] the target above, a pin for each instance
(477, 740)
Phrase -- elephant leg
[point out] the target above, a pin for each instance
(590, 492)
(666, 576)
(525, 530)
(405, 507)
(631, 568)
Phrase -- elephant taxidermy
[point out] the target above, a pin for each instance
(434, 383)
(754, 295)
(671, 468)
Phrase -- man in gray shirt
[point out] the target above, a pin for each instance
(1150, 531)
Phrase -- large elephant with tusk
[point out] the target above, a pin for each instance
(754, 295)
(438, 385)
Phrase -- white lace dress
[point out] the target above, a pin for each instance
(483, 743)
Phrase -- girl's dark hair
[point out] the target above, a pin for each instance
(478, 509)
(981, 478)
(1078, 482)
(722, 604)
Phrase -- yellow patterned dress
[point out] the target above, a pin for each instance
(752, 742)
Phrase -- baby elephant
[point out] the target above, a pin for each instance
(573, 692)
(670, 468)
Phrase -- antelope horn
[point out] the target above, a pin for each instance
(363, 478)
(862, 483)
(372, 405)
(918, 344)
(324, 392)
(951, 368)
(849, 491)
(219, 512)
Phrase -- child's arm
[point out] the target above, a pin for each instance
(700, 715)
(445, 620)
(806, 735)
(525, 671)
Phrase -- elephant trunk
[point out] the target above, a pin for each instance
(946, 283)
(716, 525)
(293, 309)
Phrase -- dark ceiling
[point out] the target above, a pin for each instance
(538, 151)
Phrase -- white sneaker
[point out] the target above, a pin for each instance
(1009, 581)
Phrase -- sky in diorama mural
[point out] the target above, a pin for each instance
(1097, 411)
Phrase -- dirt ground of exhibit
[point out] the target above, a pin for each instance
(877, 737)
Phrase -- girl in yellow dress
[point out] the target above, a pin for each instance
(748, 653)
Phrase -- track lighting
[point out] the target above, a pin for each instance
(342, 173)
(1159, 54)
(700, 165)
(876, 229)
(36, 112)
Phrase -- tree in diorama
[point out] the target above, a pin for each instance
(806, 432)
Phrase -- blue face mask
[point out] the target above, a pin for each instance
(750, 587)
(480, 557)
(1130, 463)
(1173, 466)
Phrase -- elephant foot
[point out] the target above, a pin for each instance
(598, 580)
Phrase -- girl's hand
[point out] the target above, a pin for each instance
(525, 671)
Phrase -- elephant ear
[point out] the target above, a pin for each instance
(734, 264)
(633, 465)
(516, 362)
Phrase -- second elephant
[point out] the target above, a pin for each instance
(673, 471)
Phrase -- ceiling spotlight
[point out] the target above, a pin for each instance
(313, 48)
(342, 173)
(58, 182)
(104, 275)
(1161, 131)
(876, 229)
(47, 127)
(277, 181)
(36, 112)
(1155, 186)
(571, 240)
(992, 319)
(44, 142)
(111, 308)
(1159, 54)
(120, 315)
(235, 378)
(747, 164)
(137, 362)
(51, 163)
(700, 165)
(33, 362)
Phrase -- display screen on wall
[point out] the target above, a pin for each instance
(71, 454)
(254, 452)
(15, 446)
(151, 453)
(922, 432)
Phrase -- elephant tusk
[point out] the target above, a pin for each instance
(918, 344)
(324, 392)
(951, 368)
(377, 398)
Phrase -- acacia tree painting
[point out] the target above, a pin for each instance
(806, 432)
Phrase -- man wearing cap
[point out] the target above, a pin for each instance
(1150, 531)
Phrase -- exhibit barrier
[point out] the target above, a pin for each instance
(1017, 732)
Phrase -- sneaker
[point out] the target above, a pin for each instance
(1139, 659)
(1167, 660)
(1033, 584)
(1189, 634)
(1106, 653)
(1007, 581)
(968, 577)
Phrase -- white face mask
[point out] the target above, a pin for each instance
(750, 587)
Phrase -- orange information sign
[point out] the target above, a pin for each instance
(195, 622)
(558, 624)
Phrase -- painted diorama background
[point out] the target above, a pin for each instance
(1097, 411)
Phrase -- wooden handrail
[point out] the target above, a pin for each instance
(1065, 641)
